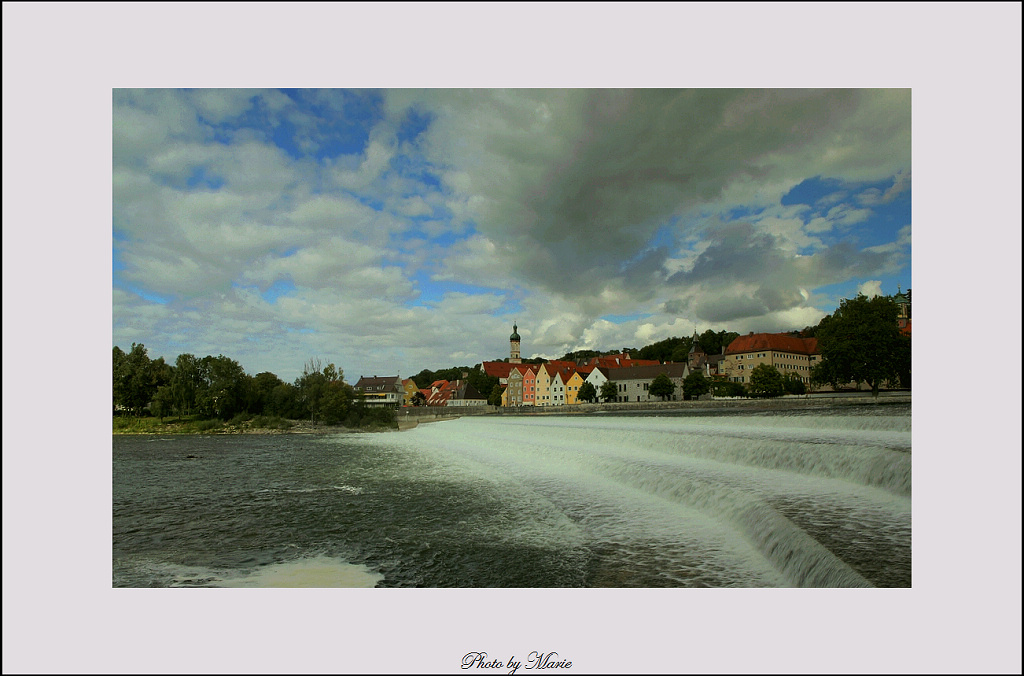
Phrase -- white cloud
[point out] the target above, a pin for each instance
(547, 199)
(870, 288)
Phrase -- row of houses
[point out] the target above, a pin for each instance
(394, 392)
(558, 383)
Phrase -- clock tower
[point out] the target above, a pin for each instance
(514, 346)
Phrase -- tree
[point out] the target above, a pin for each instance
(190, 378)
(793, 383)
(766, 381)
(587, 393)
(695, 385)
(662, 386)
(119, 367)
(284, 401)
(135, 380)
(609, 391)
(862, 342)
(226, 385)
(263, 385)
(666, 350)
(494, 398)
(336, 402)
(163, 402)
(419, 399)
(316, 397)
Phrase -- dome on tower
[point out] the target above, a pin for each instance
(515, 333)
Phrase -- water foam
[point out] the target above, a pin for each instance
(674, 489)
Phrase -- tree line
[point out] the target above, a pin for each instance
(219, 388)
(860, 342)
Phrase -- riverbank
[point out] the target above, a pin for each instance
(410, 418)
(151, 426)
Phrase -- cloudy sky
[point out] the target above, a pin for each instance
(389, 231)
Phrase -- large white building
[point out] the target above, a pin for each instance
(784, 351)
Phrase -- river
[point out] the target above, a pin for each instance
(815, 498)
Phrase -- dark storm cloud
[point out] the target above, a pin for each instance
(578, 181)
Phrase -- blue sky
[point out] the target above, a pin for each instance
(389, 231)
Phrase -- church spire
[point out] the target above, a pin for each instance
(514, 345)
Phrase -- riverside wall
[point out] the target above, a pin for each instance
(416, 414)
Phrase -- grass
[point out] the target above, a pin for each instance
(195, 425)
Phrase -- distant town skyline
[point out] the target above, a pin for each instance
(397, 230)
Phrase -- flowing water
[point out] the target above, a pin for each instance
(783, 499)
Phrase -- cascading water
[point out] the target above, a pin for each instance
(783, 499)
(751, 490)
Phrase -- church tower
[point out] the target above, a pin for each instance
(514, 346)
(903, 304)
(697, 357)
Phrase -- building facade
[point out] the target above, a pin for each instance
(633, 383)
(786, 352)
(387, 391)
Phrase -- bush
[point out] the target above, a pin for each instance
(239, 419)
(729, 389)
(207, 425)
(794, 384)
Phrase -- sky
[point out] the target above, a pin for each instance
(394, 230)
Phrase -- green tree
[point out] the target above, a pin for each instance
(135, 380)
(666, 350)
(226, 384)
(119, 365)
(793, 383)
(163, 402)
(494, 398)
(587, 393)
(681, 354)
(190, 378)
(609, 391)
(662, 386)
(315, 396)
(337, 401)
(862, 342)
(263, 385)
(284, 401)
(766, 381)
(695, 385)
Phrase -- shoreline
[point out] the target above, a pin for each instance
(413, 417)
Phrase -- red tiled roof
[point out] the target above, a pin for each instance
(778, 342)
(501, 369)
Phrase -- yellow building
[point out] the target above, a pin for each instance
(572, 387)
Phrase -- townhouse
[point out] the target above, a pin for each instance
(387, 391)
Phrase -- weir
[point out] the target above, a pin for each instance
(760, 491)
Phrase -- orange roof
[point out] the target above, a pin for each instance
(778, 342)
(501, 369)
(618, 361)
